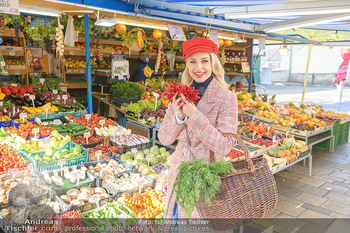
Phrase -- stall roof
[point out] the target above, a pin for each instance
(325, 22)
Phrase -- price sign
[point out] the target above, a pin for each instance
(134, 150)
(254, 134)
(23, 116)
(77, 174)
(148, 158)
(1, 104)
(86, 136)
(26, 94)
(287, 134)
(57, 122)
(42, 80)
(47, 107)
(253, 119)
(155, 95)
(14, 84)
(12, 53)
(95, 198)
(268, 128)
(82, 71)
(87, 117)
(262, 108)
(46, 141)
(274, 141)
(71, 52)
(76, 71)
(65, 97)
(35, 131)
(98, 154)
(55, 92)
(162, 82)
(146, 83)
(32, 97)
(64, 89)
(102, 122)
(17, 72)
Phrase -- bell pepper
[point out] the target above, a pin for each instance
(14, 90)
(5, 90)
(22, 90)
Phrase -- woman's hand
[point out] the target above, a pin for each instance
(187, 107)
(178, 104)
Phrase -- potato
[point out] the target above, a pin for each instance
(87, 189)
(84, 196)
(104, 195)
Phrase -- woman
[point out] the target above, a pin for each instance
(199, 126)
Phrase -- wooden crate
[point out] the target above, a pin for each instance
(12, 50)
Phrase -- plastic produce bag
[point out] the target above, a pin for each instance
(70, 33)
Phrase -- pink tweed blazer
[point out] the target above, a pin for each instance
(217, 113)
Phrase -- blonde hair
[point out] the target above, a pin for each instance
(218, 72)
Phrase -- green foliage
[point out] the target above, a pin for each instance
(127, 89)
(196, 180)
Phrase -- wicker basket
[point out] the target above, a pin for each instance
(248, 194)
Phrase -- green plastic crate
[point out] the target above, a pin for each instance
(36, 80)
(346, 137)
(40, 166)
(325, 145)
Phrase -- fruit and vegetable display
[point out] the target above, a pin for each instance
(92, 120)
(245, 118)
(130, 140)
(261, 142)
(11, 159)
(233, 154)
(71, 129)
(26, 130)
(113, 166)
(105, 147)
(127, 89)
(35, 188)
(149, 204)
(249, 147)
(124, 181)
(82, 196)
(61, 177)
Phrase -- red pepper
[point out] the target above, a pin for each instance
(5, 90)
(28, 88)
(14, 90)
(20, 95)
(22, 90)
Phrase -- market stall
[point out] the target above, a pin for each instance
(79, 167)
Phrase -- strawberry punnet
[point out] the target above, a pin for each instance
(176, 88)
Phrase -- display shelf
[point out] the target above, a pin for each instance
(77, 85)
(12, 50)
(236, 73)
(75, 71)
(297, 161)
(11, 33)
(102, 41)
(17, 72)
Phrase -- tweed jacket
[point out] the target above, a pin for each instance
(216, 113)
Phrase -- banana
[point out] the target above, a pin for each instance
(140, 39)
(147, 71)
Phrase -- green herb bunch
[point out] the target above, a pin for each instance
(196, 180)
(127, 89)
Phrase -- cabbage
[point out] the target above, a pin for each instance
(130, 155)
(146, 152)
(129, 161)
(65, 93)
(50, 151)
(166, 153)
(139, 155)
(71, 100)
(46, 94)
(162, 150)
(162, 158)
(124, 157)
(77, 150)
(154, 150)
(137, 162)
(56, 97)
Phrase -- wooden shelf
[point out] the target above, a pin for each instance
(12, 50)
(17, 72)
(11, 33)
(77, 85)
(102, 41)
(76, 71)
(236, 73)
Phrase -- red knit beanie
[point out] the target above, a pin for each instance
(199, 45)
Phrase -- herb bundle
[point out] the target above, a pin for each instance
(127, 89)
(176, 88)
(196, 180)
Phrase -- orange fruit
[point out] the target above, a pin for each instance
(221, 42)
(157, 34)
(228, 43)
(120, 28)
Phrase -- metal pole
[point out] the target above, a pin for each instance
(87, 57)
(251, 69)
(306, 73)
(341, 94)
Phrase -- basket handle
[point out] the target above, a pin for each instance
(248, 160)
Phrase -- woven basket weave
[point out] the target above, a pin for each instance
(248, 194)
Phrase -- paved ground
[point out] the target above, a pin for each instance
(320, 203)
(328, 97)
